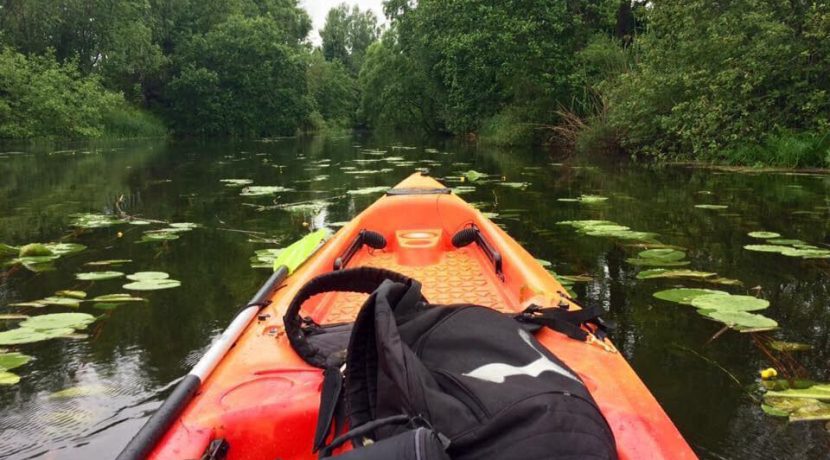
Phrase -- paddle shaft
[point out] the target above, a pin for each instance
(156, 426)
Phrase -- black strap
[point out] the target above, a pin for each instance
(363, 279)
(363, 430)
(568, 322)
(329, 402)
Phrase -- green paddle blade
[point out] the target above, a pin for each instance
(293, 256)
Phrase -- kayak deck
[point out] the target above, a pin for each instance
(263, 399)
(458, 276)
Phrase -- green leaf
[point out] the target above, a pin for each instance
(152, 285)
(767, 248)
(664, 273)
(819, 392)
(296, 254)
(64, 248)
(8, 251)
(781, 345)
(72, 294)
(105, 263)
(473, 175)
(61, 302)
(728, 302)
(662, 254)
(58, 321)
(654, 262)
(118, 298)
(764, 235)
(94, 220)
(12, 316)
(741, 320)
(34, 250)
(236, 182)
(145, 276)
(262, 190)
(80, 392)
(9, 361)
(22, 335)
(8, 378)
(98, 276)
(684, 295)
(711, 206)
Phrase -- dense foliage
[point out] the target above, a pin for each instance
(717, 80)
(743, 81)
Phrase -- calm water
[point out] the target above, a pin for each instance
(133, 354)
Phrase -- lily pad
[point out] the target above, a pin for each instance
(79, 392)
(263, 190)
(12, 316)
(368, 190)
(785, 242)
(61, 302)
(711, 206)
(106, 263)
(807, 253)
(740, 320)
(764, 235)
(34, 250)
(236, 182)
(516, 185)
(98, 276)
(664, 273)
(684, 296)
(71, 294)
(118, 298)
(32, 304)
(9, 361)
(729, 303)
(146, 276)
(586, 199)
(462, 189)
(22, 335)
(473, 175)
(781, 345)
(8, 251)
(94, 220)
(184, 225)
(64, 248)
(8, 378)
(58, 321)
(158, 235)
(663, 254)
(152, 285)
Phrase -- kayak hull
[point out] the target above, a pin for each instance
(262, 399)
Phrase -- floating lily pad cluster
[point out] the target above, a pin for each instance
(171, 232)
(731, 310)
(608, 229)
(151, 281)
(93, 220)
(585, 199)
(660, 257)
(46, 327)
(798, 400)
(37, 257)
(787, 247)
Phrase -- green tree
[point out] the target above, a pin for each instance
(347, 35)
(711, 77)
(245, 77)
(43, 98)
(333, 91)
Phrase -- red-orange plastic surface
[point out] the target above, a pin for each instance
(262, 399)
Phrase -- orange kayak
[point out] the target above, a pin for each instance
(262, 398)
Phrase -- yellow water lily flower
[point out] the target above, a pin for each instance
(770, 373)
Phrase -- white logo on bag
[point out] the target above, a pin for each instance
(498, 372)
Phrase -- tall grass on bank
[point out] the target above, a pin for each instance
(125, 121)
(790, 150)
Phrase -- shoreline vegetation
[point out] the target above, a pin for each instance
(743, 83)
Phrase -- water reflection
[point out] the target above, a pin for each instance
(136, 351)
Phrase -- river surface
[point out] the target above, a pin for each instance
(84, 396)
